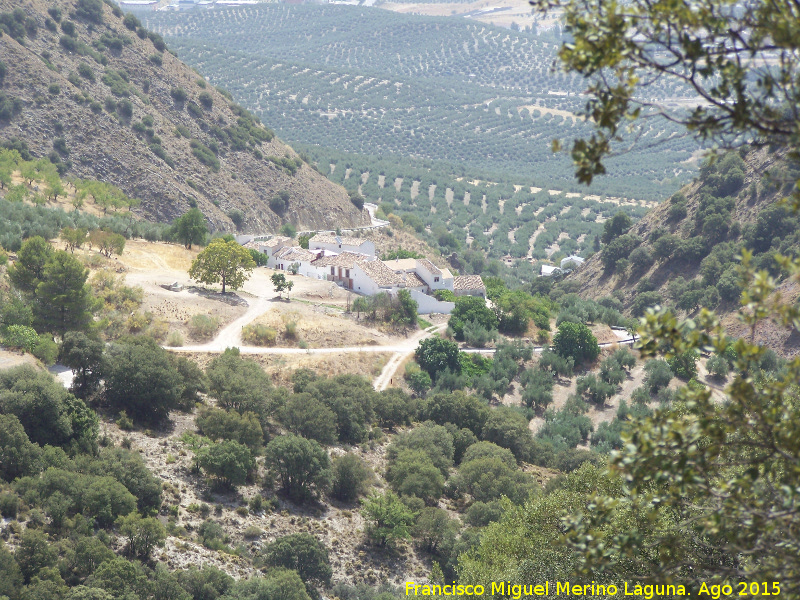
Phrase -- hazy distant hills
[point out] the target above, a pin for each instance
(113, 104)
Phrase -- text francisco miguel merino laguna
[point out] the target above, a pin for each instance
(506, 588)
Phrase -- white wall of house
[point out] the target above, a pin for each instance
(435, 282)
(363, 283)
(428, 304)
(365, 247)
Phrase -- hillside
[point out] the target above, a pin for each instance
(108, 101)
(683, 253)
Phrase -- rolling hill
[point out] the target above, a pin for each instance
(107, 100)
(684, 253)
(368, 81)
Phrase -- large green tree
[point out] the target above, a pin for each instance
(142, 533)
(18, 456)
(84, 356)
(224, 262)
(238, 383)
(575, 340)
(28, 271)
(471, 309)
(49, 414)
(277, 584)
(190, 228)
(435, 355)
(301, 466)
(303, 553)
(63, 298)
(141, 379)
(388, 519)
(227, 462)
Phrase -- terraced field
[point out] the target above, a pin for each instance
(364, 80)
(443, 121)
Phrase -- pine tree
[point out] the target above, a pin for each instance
(64, 301)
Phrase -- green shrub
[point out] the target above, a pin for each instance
(90, 10)
(178, 94)
(9, 505)
(219, 424)
(21, 337)
(175, 339)
(480, 514)
(131, 22)
(159, 151)
(259, 335)
(194, 110)
(658, 374)
(684, 366)
(203, 326)
(205, 99)
(204, 154)
(351, 476)
(46, 349)
(718, 366)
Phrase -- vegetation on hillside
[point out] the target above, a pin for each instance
(474, 95)
(109, 102)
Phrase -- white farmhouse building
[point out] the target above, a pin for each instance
(268, 247)
(577, 260)
(332, 258)
(337, 243)
(286, 257)
(549, 270)
(436, 278)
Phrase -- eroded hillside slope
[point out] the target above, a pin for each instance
(683, 253)
(114, 104)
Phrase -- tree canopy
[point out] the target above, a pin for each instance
(224, 262)
(575, 340)
(301, 466)
(737, 59)
(190, 228)
(141, 379)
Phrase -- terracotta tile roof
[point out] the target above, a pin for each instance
(430, 266)
(468, 282)
(381, 274)
(413, 280)
(295, 254)
(327, 238)
(401, 264)
(276, 241)
(253, 245)
(345, 259)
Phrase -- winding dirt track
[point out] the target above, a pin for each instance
(231, 336)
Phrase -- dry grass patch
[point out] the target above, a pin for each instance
(315, 325)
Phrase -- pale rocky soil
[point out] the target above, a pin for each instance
(322, 326)
(10, 359)
(339, 526)
(280, 366)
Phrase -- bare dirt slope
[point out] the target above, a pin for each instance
(90, 112)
